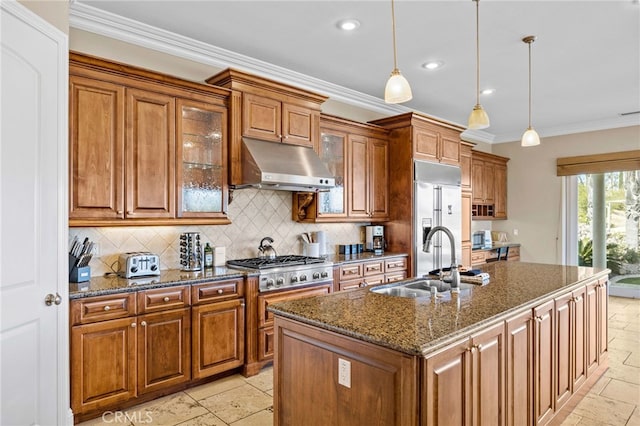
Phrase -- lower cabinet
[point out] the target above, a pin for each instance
(464, 383)
(164, 349)
(519, 372)
(543, 363)
(338, 380)
(218, 337)
(146, 343)
(372, 272)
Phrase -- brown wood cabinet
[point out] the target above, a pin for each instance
(465, 166)
(268, 110)
(144, 344)
(122, 139)
(358, 156)
(519, 369)
(350, 276)
(489, 186)
(340, 380)
(465, 382)
(544, 363)
(218, 327)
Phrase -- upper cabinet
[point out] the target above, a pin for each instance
(357, 155)
(145, 148)
(268, 110)
(489, 180)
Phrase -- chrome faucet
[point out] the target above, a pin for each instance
(455, 275)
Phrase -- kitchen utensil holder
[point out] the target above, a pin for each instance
(190, 251)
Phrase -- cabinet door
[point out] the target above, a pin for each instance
(449, 148)
(446, 387)
(488, 182)
(563, 351)
(164, 349)
(500, 191)
(299, 125)
(96, 149)
(603, 315)
(378, 178)
(358, 203)
(103, 364)
(201, 169)
(488, 389)
(150, 155)
(591, 308)
(218, 337)
(425, 144)
(333, 153)
(544, 361)
(579, 331)
(519, 370)
(465, 168)
(261, 117)
(477, 178)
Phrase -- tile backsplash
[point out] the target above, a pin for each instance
(255, 214)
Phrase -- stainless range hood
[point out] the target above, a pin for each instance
(272, 165)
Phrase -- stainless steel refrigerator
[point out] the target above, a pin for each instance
(437, 202)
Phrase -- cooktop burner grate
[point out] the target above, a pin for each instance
(279, 261)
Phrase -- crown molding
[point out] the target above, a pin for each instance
(91, 19)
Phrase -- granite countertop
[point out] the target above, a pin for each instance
(102, 285)
(418, 326)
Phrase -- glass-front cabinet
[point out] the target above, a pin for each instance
(201, 152)
(333, 153)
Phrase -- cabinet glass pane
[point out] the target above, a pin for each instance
(332, 154)
(202, 166)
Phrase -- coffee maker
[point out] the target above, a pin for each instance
(374, 239)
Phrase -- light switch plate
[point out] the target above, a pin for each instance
(344, 372)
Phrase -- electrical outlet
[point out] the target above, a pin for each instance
(96, 250)
(515, 232)
(344, 372)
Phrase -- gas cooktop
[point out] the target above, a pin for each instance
(277, 262)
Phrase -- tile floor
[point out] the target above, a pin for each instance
(240, 401)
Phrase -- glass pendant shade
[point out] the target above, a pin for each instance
(530, 138)
(479, 119)
(397, 89)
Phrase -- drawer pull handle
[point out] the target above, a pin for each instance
(220, 291)
(143, 323)
(166, 298)
(107, 308)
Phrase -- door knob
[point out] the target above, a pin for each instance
(50, 299)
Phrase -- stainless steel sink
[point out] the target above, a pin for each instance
(423, 288)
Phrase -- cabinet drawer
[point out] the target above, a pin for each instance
(478, 257)
(373, 268)
(396, 276)
(265, 318)
(351, 271)
(101, 308)
(392, 265)
(161, 299)
(214, 291)
(351, 284)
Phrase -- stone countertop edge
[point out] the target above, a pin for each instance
(418, 327)
(112, 284)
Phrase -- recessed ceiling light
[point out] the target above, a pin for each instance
(348, 24)
(487, 91)
(433, 65)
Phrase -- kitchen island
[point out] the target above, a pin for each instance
(515, 351)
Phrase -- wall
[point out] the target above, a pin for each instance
(255, 214)
(534, 194)
(56, 12)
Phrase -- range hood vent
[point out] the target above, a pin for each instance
(278, 166)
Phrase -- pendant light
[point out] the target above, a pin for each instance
(478, 118)
(530, 136)
(397, 89)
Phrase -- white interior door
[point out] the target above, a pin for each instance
(33, 233)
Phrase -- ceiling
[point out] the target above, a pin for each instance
(585, 61)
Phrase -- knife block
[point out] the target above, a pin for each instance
(78, 274)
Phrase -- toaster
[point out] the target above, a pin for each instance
(138, 264)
